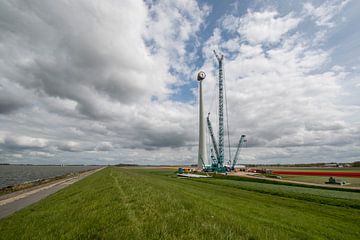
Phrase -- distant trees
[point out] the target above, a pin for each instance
(356, 164)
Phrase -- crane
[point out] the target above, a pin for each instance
(241, 143)
(220, 161)
(212, 137)
(213, 158)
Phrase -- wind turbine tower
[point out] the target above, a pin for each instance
(202, 156)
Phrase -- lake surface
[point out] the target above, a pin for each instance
(16, 174)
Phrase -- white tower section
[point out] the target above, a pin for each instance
(202, 156)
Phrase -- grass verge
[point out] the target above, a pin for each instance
(120, 203)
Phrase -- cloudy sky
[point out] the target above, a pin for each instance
(105, 82)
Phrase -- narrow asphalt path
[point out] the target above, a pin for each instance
(15, 201)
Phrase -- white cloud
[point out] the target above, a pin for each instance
(17, 155)
(324, 14)
(25, 142)
(78, 52)
(280, 95)
(171, 26)
(96, 76)
(266, 26)
(41, 154)
(90, 82)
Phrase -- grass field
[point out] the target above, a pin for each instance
(119, 203)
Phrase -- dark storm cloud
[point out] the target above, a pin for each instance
(104, 147)
(71, 53)
(164, 139)
(12, 97)
(149, 135)
(9, 103)
(91, 76)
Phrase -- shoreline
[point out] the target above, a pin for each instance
(14, 201)
(39, 182)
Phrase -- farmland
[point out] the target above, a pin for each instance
(353, 182)
(134, 203)
(319, 175)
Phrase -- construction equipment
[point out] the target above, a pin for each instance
(220, 163)
(217, 164)
(332, 180)
(241, 143)
(213, 158)
(185, 170)
(215, 148)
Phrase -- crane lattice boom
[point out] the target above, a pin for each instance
(215, 147)
(221, 111)
(241, 143)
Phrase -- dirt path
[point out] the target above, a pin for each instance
(12, 202)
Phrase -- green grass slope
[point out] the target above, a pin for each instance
(118, 203)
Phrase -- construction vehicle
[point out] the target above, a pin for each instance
(332, 180)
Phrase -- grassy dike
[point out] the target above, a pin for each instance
(119, 203)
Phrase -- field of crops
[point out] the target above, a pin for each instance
(318, 173)
(353, 182)
(120, 203)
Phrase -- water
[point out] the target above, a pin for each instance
(16, 174)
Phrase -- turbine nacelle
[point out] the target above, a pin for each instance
(201, 76)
